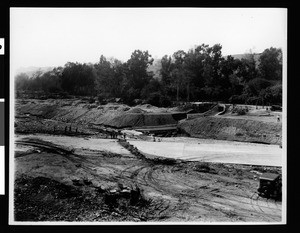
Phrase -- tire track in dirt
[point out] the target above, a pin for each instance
(260, 209)
(141, 175)
(144, 176)
(177, 192)
(83, 161)
(155, 183)
(155, 177)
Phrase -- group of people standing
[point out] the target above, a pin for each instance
(114, 134)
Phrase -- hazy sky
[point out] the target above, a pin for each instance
(54, 36)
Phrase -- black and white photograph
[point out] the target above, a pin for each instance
(132, 116)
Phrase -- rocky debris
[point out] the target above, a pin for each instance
(204, 167)
(149, 158)
(77, 182)
(87, 182)
(112, 197)
(44, 199)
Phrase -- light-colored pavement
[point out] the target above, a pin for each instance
(191, 149)
(214, 151)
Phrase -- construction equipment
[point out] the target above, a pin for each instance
(270, 186)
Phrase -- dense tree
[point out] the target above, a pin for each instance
(105, 77)
(212, 71)
(199, 74)
(136, 75)
(165, 71)
(247, 68)
(78, 79)
(153, 86)
(193, 66)
(22, 82)
(39, 81)
(270, 64)
(177, 71)
(228, 80)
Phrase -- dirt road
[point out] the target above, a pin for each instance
(181, 192)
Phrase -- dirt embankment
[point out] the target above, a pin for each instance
(78, 113)
(233, 129)
(78, 117)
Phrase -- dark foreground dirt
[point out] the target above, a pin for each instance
(54, 183)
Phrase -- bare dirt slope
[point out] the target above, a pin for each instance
(75, 115)
(233, 129)
(55, 183)
(79, 112)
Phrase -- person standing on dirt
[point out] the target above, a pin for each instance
(278, 118)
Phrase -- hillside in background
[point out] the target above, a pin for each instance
(246, 56)
(155, 68)
(32, 69)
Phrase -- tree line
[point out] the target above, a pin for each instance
(199, 74)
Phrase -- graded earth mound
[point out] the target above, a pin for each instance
(55, 116)
(233, 129)
(79, 112)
